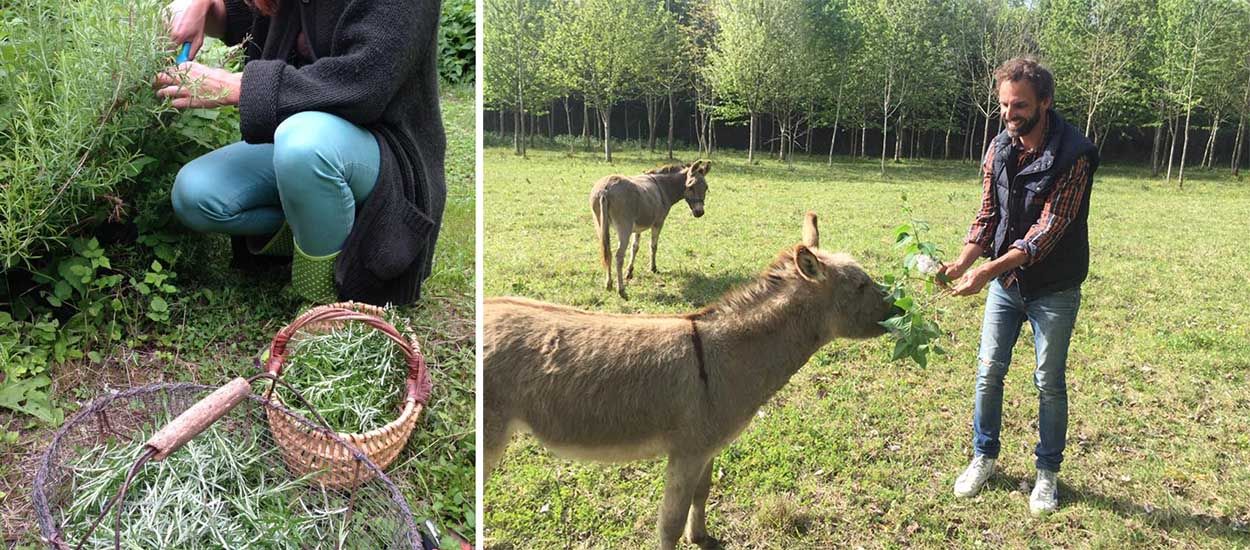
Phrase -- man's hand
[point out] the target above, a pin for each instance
(950, 272)
(972, 282)
(195, 86)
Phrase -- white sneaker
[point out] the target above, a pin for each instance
(1045, 497)
(973, 479)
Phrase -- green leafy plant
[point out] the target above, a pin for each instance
(75, 102)
(913, 329)
(456, 31)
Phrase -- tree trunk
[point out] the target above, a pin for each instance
(885, 126)
(810, 118)
(568, 119)
(863, 140)
(605, 114)
(898, 138)
(946, 146)
(834, 140)
(1089, 118)
(970, 137)
(653, 114)
(772, 135)
(837, 117)
(586, 123)
(1236, 163)
(1171, 148)
(1180, 175)
(985, 133)
(1154, 151)
(1208, 156)
(502, 129)
(670, 125)
(751, 142)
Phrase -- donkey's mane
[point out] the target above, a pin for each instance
(747, 298)
(667, 169)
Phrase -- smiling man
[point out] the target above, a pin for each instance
(1032, 226)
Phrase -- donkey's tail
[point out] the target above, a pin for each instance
(605, 239)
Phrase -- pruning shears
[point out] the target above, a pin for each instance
(184, 54)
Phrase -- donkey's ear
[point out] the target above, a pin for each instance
(811, 233)
(808, 264)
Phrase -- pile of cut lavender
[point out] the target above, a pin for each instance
(352, 374)
(218, 491)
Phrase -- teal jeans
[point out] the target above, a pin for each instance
(313, 175)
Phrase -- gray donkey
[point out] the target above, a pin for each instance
(612, 387)
(638, 203)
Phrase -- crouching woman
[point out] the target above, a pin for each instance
(341, 162)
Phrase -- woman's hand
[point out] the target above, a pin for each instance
(188, 22)
(195, 86)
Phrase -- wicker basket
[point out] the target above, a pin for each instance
(311, 452)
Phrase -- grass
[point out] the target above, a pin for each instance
(226, 317)
(859, 451)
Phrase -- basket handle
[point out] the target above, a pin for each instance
(197, 418)
(417, 384)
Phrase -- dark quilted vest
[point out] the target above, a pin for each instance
(1067, 264)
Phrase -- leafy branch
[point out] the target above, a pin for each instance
(913, 329)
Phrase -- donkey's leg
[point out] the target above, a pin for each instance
(633, 254)
(655, 242)
(495, 436)
(680, 484)
(624, 228)
(696, 523)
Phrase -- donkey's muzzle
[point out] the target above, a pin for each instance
(697, 211)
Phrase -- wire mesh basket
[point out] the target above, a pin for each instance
(136, 454)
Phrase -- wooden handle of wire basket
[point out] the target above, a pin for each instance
(198, 417)
(417, 384)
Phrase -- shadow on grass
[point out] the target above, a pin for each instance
(1167, 519)
(700, 290)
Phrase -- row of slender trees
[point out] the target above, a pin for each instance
(1169, 71)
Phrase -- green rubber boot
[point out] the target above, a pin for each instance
(312, 277)
(281, 243)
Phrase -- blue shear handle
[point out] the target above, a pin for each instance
(183, 54)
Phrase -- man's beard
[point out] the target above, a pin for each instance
(1027, 126)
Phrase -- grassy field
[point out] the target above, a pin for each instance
(858, 451)
(227, 317)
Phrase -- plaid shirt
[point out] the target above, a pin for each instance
(1059, 207)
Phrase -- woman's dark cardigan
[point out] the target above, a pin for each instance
(375, 64)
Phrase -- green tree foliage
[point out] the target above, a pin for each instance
(593, 48)
(914, 70)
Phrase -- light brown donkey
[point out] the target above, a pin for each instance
(612, 387)
(633, 204)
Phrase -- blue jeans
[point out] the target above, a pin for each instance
(1052, 317)
(313, 175)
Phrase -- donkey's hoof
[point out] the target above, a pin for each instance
(629, 276)
(703, 541)
(623, 295)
